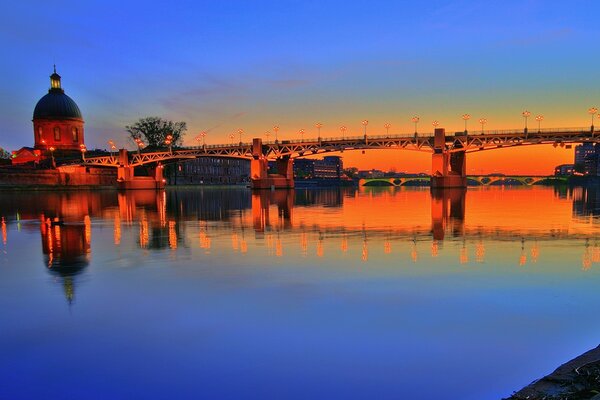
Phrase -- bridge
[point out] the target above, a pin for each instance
(448, 153)
(475, 180)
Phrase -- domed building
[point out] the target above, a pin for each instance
(57, 120)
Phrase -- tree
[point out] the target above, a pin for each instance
(154, 130)
(4, 155)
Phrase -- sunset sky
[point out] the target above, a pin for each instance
(225, 65)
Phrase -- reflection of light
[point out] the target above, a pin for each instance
(144, 232)
(204, 240)
(117, 230)
(234, 241)
(523, 256)
(320, 247)
(278, 247)
(172, 235)
(535, 252)
(387, 247)
(243, 246)
(595, 253)
(413, 251)
(586, 261)
(365, 251)
(480, 252)
(304, 243)
(3, 231)
(464, 255)
(344, 245)
(434, 248)
(88, 229)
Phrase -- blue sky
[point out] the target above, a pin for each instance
(224, 65)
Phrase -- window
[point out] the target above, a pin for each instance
(75, 132)
(40, 133)
(56, 133)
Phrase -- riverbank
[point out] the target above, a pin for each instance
(577, 379)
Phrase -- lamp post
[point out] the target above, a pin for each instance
(482, 121)
(169, 142)
(112, 146)
(318, 126)
(343, 129)
(415, 120)
(240, 132)
(387, 128)
(364, 122)
(539, 120)
(526, 115)
(51, 148)
(232, 136)
(301, 131)
(139, 144)
(592, 111)
(203, 136)
(267, 134)
(435, 124)
(465, 118)
(83, 149)
(276, 129)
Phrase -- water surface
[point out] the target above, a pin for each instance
(224, 293)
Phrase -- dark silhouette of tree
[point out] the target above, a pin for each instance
(4, 155)
(153, 131)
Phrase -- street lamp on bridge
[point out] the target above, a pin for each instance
(202, 137)
(415, 120)
(465, 118)
(169, 142)
(526, 115)
(232, 136)
(267, 134)
(318, 126)
(343, 130)
(83, 149)
(139, 144)
(276, 129)
(593, 112)
(482, 121)
(301, 131)
(51, 148)
(387, 128)
(435, 124)
(539, 120)
(112, 147)
(365, 123)
(240, 132)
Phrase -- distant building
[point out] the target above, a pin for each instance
(330, 167)
(582, 151)
(564, 170)
(208, 170)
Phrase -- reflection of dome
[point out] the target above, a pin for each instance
(56, 104)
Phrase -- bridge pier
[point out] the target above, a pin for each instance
(259, 166)
(448, 170)
(126, 179)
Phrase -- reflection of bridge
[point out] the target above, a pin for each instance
(448, 158)
(482, 180)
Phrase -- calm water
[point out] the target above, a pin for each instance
(354, 294)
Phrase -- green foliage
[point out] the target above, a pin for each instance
(153, 131)
(4, 155)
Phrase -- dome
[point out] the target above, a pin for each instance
(56, 104)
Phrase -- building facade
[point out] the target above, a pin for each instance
(209, 171)
(330, 167)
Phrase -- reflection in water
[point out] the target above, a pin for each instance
(423, 279)
(321, 223)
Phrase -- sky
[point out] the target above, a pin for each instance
(221, 66)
